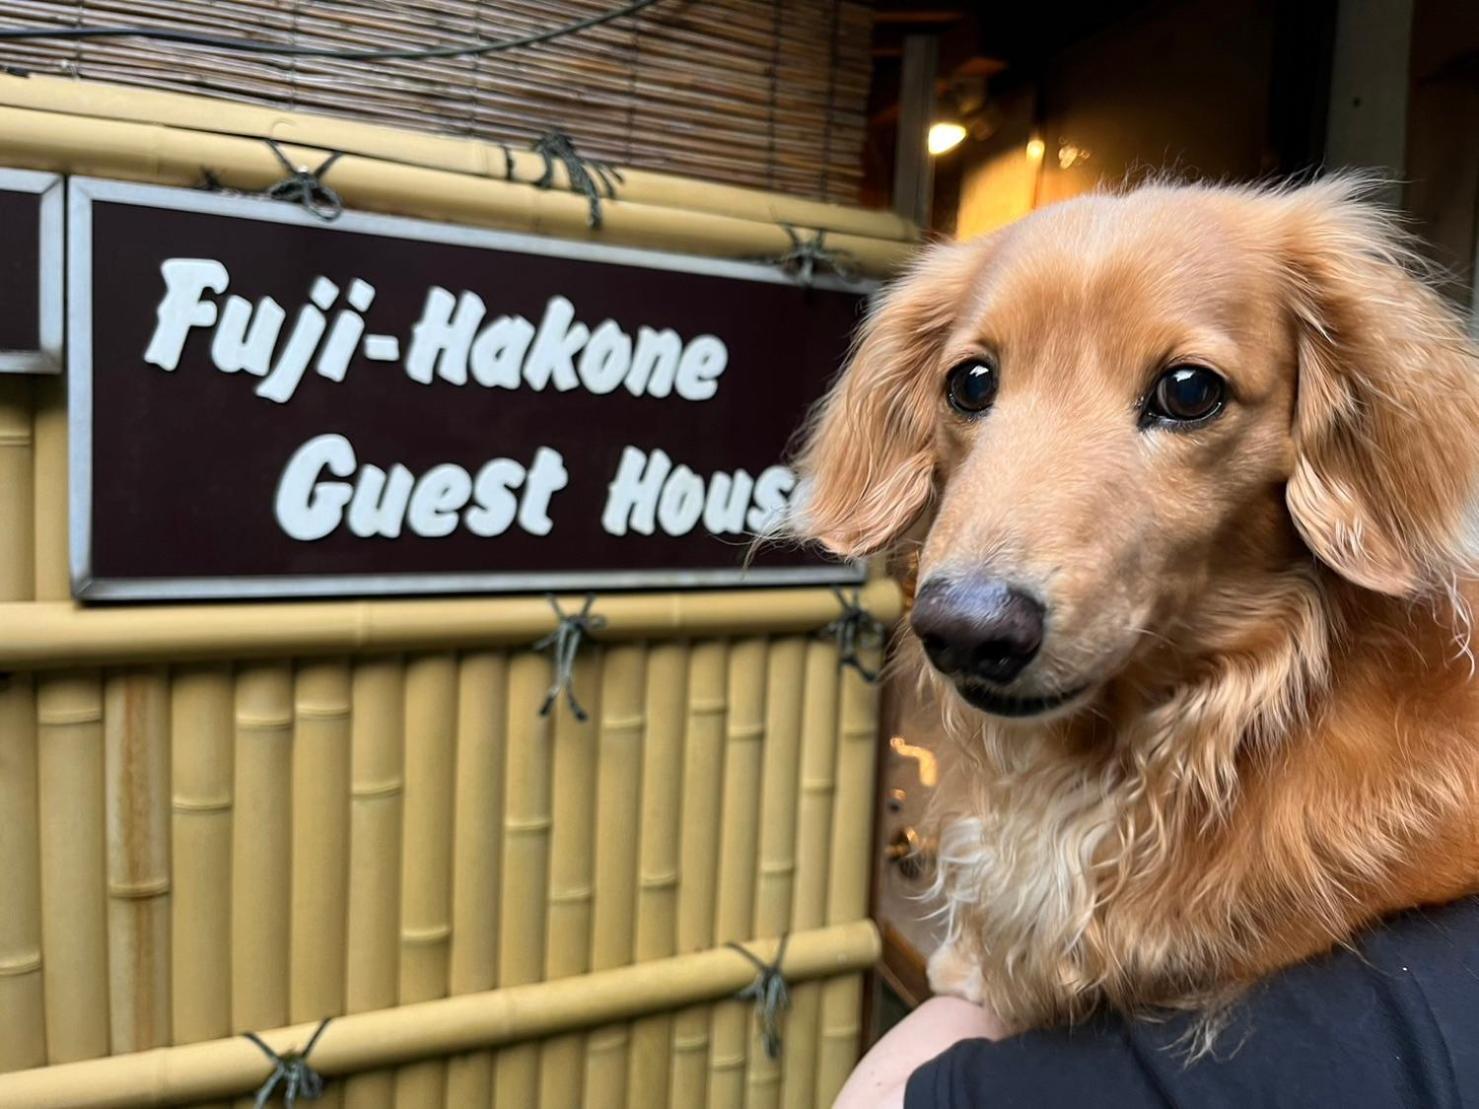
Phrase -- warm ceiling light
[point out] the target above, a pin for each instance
(945, 135)
(1036, 148)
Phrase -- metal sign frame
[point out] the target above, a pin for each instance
(83, 191)
(49, 188)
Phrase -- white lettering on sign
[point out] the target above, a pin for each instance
(449, 342)
(386, 503)
(650, 493)
(324, 486)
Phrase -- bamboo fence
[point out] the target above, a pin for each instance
(216, 847)
(752, 92)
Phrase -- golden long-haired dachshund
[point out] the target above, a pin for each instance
(1190, 476)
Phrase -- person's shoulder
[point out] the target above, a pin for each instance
(1387, 1021)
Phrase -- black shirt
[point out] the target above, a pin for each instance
(1393, 1023)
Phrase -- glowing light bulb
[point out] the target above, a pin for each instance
(945, 135)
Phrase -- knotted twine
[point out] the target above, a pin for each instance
(588, 176)
(302, 186)
(290, 1070)
(305, 187)
(855, 629)
(563, 643)
(770, 994)
(807, 257)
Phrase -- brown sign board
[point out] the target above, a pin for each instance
(266, 404)
(30, 272)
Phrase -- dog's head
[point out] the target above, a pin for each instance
(1112, 419)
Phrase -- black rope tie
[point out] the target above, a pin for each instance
(808, 257)
(291, 1071)
(305, 187)
(563, 644)
(770, 994)
(855, 629)
(588, 176)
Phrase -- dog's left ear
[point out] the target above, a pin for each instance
(1385, 484)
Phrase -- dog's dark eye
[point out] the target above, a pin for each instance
(1185, 395)
(971, 387)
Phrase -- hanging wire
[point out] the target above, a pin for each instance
(249, 46)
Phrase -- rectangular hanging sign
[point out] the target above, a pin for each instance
(265, 404)
(30, 272)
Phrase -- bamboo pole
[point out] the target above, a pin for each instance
(426, 855)
(69, 718)
(658, 852)
(568, 943)
(738, 842)
(196, 1072)
(17, 478)
(201, 764)
(851, 862)
(21, 991)
(194, 112)
(149, 152)
(477, 842)
(43, 636)
(618, 804)
(526, 855)
(49, 498)
(261, 847)
(320, 839)
(701, 805)
(376, 790)
(776, 857)
(819, 725)
(136, 755)
(22, 998)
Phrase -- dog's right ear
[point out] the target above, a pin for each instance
(867, 466)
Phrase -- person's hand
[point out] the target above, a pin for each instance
(879, 1080)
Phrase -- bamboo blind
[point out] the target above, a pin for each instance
(765, 93)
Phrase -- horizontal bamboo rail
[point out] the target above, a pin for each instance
(361, 1041)
(106, 102)
(150, 153)
(47, 635)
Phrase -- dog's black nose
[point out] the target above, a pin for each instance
(977, 627)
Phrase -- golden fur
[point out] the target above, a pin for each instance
(1281, 738)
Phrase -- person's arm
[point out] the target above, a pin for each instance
(879, 1080)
